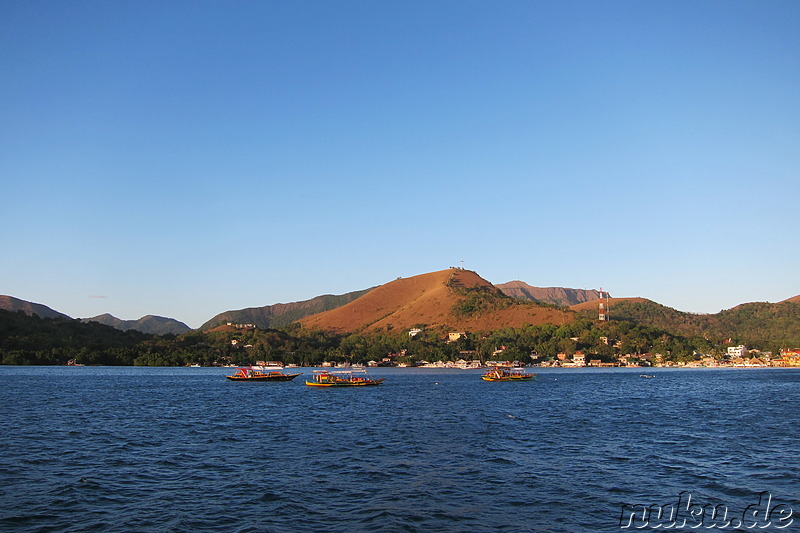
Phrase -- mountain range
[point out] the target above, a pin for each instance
(560, 296)
(462, 300)
(155, 325)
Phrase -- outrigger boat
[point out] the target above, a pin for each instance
(253, 374)
(342, 378)
(500, 373)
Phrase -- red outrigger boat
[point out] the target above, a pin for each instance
(252, 374)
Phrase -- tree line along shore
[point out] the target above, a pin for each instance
(31, 340)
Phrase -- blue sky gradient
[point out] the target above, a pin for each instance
(186, 158)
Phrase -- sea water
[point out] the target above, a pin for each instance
(184, 449)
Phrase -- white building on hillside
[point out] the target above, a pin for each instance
(737, 351)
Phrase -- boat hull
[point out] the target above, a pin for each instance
(278, 377)
(502, 373)
(518, 378)
(363, 383)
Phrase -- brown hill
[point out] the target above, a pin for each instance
(552, 295)
(434, 299)
(794, 300)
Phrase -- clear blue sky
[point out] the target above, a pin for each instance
(186, 158)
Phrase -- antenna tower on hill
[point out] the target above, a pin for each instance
(462, 264)
(602, 317)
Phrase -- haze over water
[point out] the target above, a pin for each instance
(179, 449)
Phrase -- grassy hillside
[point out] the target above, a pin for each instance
(9, 303)
(762, 324)
(279, 315)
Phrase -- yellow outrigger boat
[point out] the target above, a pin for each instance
(504, 373)
(342, 378)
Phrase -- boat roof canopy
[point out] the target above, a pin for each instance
(354, 371)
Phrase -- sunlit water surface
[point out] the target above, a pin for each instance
(184, 449)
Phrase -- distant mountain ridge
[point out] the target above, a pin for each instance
(560, 296)
(9, 303)
(155, 325)
(277, 315)
(435, 297)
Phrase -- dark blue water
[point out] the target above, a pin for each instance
(138, 449)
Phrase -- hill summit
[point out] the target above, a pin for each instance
(155, 325)
(447, 299)
(9, 303)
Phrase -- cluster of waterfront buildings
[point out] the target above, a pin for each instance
(736, 356)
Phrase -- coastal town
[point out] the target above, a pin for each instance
(735, 357)
(739, 356)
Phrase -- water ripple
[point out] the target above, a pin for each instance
(124, 449)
